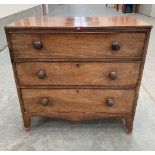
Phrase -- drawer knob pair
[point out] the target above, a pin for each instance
(45, 101)
(38, 45)
(110, 102)
(42, 75)
(115, 46)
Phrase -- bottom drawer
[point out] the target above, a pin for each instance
(78, 100)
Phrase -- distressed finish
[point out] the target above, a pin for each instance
(78, 100)
(78, 68)
(70, 73)
(77, 45)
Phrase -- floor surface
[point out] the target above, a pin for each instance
(102, 134)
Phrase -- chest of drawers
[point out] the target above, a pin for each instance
(78, 68)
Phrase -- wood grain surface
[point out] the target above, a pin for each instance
(62, 65)
(78, 100)
(84, 22)
(78, 73)
(78, 45)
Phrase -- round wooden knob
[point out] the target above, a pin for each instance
(45, 101)
(38, 45)
(110, 102)
(41, 74)
(115, 46)
(112, 75)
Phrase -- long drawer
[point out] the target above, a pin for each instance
(71, 73)
(81, 100)
(80, 45)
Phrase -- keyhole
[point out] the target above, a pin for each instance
(77, 91)
(77, 65)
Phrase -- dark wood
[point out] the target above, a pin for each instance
(38, 45)
(115, 46)
(45, 101)
(41, 74)
(78, 68)
(113, 75)
(110, 102)
(105, 59)
(129, 123)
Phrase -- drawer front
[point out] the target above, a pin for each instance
(69, 73)
(78, 45)
(81, 100)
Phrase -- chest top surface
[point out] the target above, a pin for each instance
(85, 22)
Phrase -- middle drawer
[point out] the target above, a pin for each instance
(73, 73)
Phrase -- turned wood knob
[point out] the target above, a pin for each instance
(112, 75)
(115, 46)
(38, 45)
(41, 74)
(110, 102)
(45, 101)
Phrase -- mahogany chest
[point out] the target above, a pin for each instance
(78, 68)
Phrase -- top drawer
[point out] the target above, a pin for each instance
(78, 45)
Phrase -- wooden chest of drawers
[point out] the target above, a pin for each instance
(78, 68)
